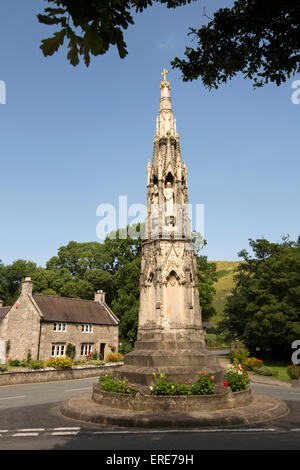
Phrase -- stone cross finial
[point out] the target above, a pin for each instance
(164, 73)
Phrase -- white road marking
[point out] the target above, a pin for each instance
(76, 389)
(73, 431)
(67, 429)
(11, 398)
(168, 431)
(31, 430)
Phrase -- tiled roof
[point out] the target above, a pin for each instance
(64, 309)
(3, 312)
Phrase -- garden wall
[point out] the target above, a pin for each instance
(24, 376)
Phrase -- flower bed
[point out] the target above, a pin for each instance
(143, 400)
(109, 384)
(203, 385)
(237, 378)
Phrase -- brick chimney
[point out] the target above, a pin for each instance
(100, 296)
(27, 286)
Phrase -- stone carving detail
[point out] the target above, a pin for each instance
(169, 200)
(173, 263)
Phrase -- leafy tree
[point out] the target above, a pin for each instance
(92, 27)
(50, 281)
(126, 302)
(79, 258)
(11, 277)
(259, 39)
(207, 274)
(263, 310)
(122, 247)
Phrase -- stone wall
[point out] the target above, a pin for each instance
(155, 403)
(107, 335)
(21, 327)
(11, 377)
(2, 352)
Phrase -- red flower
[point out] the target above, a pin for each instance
(225, 383)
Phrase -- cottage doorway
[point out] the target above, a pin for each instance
(102, 349)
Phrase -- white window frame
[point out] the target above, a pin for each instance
(59, 327)
(87, 328)
(86, 349)
(58, 350)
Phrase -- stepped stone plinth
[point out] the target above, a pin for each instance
(179, 361)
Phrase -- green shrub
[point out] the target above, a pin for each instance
(238, 356)
(70, 351)
(164, 387)
(203, 385)
(29, 357)
(14, 362)
(109, 384)
(23, 363)
(3, 367)
(36, 364)
(253, 363)
(237, 378)
(80, 362)
(95, 355)
(95, 362)
(263, 370)
(211, 339)
(293, 371)
(125, 347)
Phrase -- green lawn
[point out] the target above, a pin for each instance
(281, 368)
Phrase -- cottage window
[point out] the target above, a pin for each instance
(87, 328)
(58, 326)
(86, 349)
(58, 350)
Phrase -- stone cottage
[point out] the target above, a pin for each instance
(45, 324)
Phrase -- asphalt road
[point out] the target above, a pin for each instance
(29, 420)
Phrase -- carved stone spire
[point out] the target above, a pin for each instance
(170, 336)
(166, 176)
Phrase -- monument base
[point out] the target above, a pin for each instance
(178, 360)
(261, 408)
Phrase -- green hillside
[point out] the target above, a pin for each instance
(224, 285)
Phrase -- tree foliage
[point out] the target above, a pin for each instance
(91, 27)
(80, 269)
(260, 39)
(263, 310)
(207, 274)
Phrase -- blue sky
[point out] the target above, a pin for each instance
(73, 138)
